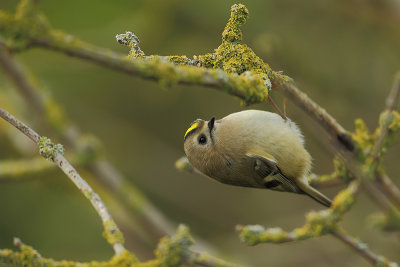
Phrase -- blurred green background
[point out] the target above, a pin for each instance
(343, 54)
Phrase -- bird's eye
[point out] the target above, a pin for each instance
(202, 139)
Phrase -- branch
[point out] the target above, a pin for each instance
(28, 256)
(157, 68)
(317, 223)
(16, 168)
(362, 249)
(55, 154)
(391, 102)
(172, 251)
(390, 188)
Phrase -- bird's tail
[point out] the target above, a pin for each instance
(315, 194)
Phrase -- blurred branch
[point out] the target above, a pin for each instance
(362, 249)
(54, 153)
(390, 188)
(17, 168)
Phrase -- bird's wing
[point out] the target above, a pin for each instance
(267, 168)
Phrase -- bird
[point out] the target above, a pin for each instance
(252, 148)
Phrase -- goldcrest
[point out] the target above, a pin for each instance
(252, 148)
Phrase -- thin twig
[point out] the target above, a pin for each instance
(70, 171)
(391, 188)
(361, 248)
(393, 97)
(206, 260)
(387, 184)
(15, 73)
(391, 102)
(26, 130)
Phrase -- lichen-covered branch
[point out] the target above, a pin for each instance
(250, 87)
(317, 223)
(172, 251)
(54, 153)
(28, 256)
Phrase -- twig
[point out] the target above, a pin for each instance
(362, 249)
(31, 134)
(206, 260)
(390, 105)
(390, 188)
(14, 72)
(114, 236)
(381, 199)
(391, 100)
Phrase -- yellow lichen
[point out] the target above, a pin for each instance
(363, 141)
(111, 232)
(343, 201)
(124, 259)
(172, 251)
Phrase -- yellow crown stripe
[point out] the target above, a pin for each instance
(191, 128)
